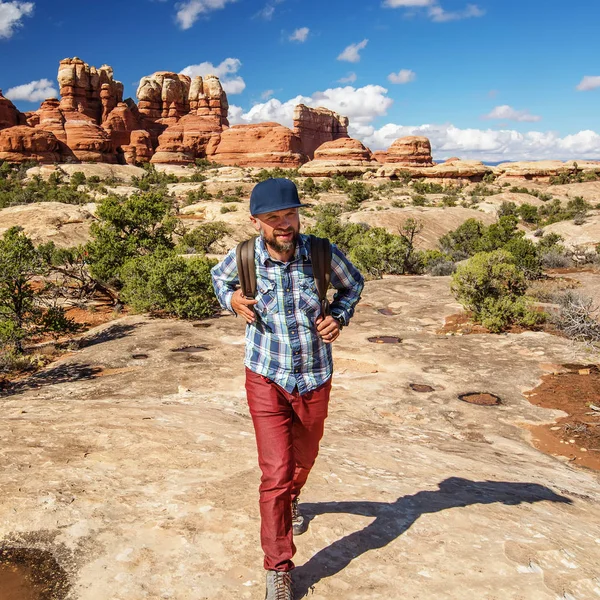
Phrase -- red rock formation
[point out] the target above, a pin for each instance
(21, 143)
(85, 89)
(9, 114)
(51, 118)
(315, 126)
(410, 151)
(139, 149)
(345, 156)
(263, 145)
(380, 156)
(88, 141)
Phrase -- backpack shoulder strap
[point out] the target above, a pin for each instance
(246, 266)
(320, 255)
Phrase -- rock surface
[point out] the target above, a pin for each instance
(464, 170)
(345, 156)
(315, 126)
(410, 151)
(64, 224)
(25, 143)
(138, 473)
(263, 145)
(542, 170)
(9, 114)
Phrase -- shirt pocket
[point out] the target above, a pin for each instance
(309, 297)
(266, 295)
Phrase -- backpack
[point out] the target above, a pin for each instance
(320, 254)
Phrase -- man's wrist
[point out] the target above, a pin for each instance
(340, 320)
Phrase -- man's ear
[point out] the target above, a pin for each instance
(255, 223)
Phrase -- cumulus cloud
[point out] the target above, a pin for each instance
(225, 71)
(34, 91)
(300, 35)
(189, 11)
(510, 114)
(351, 78)
(589, 82)
(268, 10)
(352, 52)
(267, 94)
(486, 144)
(11, 14)
(439, 15)
(403, 76)
(435, 11)
(360, 105)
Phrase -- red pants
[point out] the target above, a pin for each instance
(288, 430)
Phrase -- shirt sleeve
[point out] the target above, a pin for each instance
(348, 282)
(225, 279)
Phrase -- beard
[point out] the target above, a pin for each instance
(278, 246)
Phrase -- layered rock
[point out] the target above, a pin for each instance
(262, 145)
(380, 156)
(21, 143)
(9, 114)
(345, 156)
(315, 126)
(85, 89)
(542, 170)
(463, 170)
(410, 151)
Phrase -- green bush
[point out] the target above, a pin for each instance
(492, 287)
(202, 237)
(275, 173)
(126, 228)
(358, 192)
(169, 284)
(419, 200)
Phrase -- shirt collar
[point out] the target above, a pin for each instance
(301, 250)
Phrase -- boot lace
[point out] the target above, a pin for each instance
(283, 586)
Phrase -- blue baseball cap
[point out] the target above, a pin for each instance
(274, 194)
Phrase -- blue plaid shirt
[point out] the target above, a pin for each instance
(283, 344)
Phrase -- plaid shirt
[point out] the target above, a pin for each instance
(283, 344)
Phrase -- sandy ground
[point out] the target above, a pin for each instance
(129, 469)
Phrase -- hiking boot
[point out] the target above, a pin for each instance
(299, 523)
(279, 585)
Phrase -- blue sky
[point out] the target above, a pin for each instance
(486, 79)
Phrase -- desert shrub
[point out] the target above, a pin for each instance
(201, 238)
(449, 200)
(579, 219)
(493, 287)
(464, 240)
(126, 228)
(227, 198)
(341, 183)
(507, 208)
(198, 195)
(578, 318)
(152, 178)
(227, 209)
(357, 192)
(482, 190)
(78, 178)
(528, 213)
(427, 187)
(276, 172)
(419, 200)
(203, 164)
(326, 185)
(437, 263)
(555, 259)
(310, 187)
(170, 284)
(23, 310)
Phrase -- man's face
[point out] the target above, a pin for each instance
(280, 229)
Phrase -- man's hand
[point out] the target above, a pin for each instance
(242, 306)
(328, 328)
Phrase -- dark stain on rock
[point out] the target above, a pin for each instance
(385, 339)
(481, 398)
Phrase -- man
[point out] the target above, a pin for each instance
(288, 362)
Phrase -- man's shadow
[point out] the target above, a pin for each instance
(392, 519)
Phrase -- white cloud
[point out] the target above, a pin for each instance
(34, 91)
(486, 144)
(268, 11)
(11, 14)
(360, 105)
(224, 71)
(300, 35)
(189, 11)
(267, 94)
(435, 11)
(351, 78)
(351, 53)
(439, 15)
(403, 76)
(510, 114)
(589, 82)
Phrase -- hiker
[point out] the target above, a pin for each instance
(288, 359)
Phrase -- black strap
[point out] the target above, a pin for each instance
(246, 265)
(320, 255)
